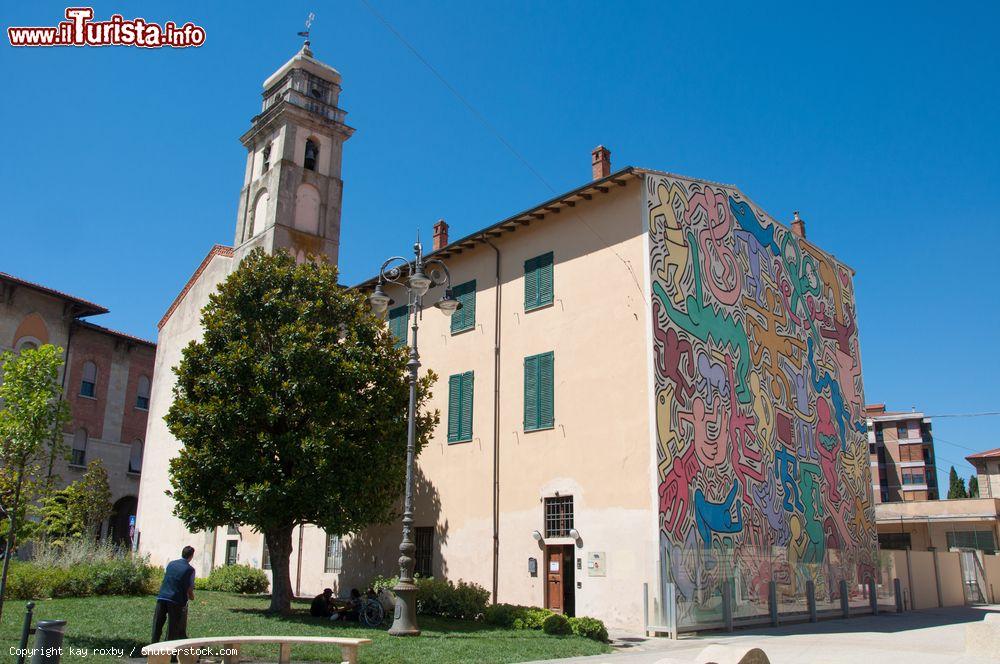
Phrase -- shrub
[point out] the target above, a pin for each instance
(201, 583)
(591, 628)
(380, 583)
(27, 581)
(440, 597)
(242, 579)
(556, 624)
(513, 616)
(79, 569)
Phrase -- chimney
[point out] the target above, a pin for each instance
(799, 226)
(440, 234)
(600, 159)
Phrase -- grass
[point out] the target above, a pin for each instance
(126, 623)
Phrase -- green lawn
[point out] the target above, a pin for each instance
(125, 622)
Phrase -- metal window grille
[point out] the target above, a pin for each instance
(334, 554)
(232, 529)
(423, 558)
(265, 558)
(558, 516)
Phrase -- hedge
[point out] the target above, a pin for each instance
(125, 576)
(242, 579)
(441, 597)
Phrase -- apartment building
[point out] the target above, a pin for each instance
(901, 450)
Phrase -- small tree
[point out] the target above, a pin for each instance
(956, 485)
(32, 415)
(292, 410)
(973, 487)
(79, 509)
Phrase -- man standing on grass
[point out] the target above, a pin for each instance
(175, 591)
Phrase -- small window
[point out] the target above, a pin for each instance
(879, 436)
(265, 557)
(460, 389)
(539, 412)
(423, 557)
(465, 318)
(334, 554)
(558, 516)
(312, 155)
(142, 394)
(78, 455)
(232, 547)
(267, 159)
(88, 385)
(232, 529)
(398, 319)
(902, 430)
(538, 282)
(135, 457)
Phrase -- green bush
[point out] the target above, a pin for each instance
(380, 583)
(513, 616)
(242, 579)
(80, 569)
(440, 597)
(556, 624)
(201, 583)
(591, 628)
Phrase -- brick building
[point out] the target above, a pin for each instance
(106, 379)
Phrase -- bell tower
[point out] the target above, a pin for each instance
(292, 190)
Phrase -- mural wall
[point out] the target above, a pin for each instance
(763, 458)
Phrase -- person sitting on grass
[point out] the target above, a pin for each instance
(320, 607)
(353, 608)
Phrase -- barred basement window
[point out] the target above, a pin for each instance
(423, 558)
(334, 554)
(558, 516)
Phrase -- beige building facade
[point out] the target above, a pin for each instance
(553, 478)
(107, 377)
(987, 465)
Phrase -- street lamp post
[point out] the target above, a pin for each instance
(416, 277)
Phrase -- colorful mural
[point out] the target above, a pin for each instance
(763, 458)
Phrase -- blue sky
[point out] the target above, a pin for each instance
(877, 120)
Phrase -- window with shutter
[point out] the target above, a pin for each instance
(397, 324)
(539, 411)
(538, 282)
(460, 388)
(465, 318)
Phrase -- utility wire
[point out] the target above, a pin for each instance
(987, 414)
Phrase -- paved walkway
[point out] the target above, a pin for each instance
(931, 636)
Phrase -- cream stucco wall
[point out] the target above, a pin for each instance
(160, 533)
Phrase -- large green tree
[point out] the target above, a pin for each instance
(32, 416)
(292, 409)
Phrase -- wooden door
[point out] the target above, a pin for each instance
(554, 578)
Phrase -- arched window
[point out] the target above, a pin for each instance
(135, 457)
(312, 155)
(259, 219)
(142, 394)
(79, 455)
(26, 344)
(88, 385)
(267, 159)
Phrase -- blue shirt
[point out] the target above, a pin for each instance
(178, 578)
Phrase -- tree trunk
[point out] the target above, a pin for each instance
(11, 537)
(279, 548)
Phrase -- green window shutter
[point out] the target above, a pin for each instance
(460, 407)
(538, 281)
(397, 324)
(546, 415)
(531, 393)
(465, 317)
(468, 378)
(539, 411)
(454, 401)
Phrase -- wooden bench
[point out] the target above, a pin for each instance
(187, 649)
